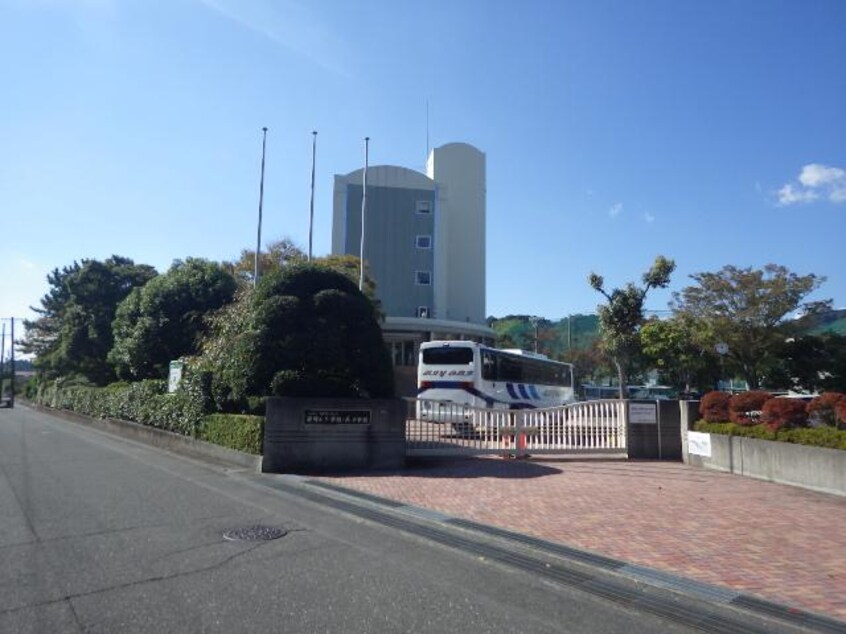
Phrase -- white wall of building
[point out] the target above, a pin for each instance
(459, 170)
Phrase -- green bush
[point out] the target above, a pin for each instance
(816, 437)
(236, 431)
(145, 402)
(734, 429)
(305, 330)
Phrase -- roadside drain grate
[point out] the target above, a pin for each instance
(254, 534)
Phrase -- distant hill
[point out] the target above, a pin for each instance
(555, 338)
(820, 323)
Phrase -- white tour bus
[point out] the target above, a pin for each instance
(470, 374)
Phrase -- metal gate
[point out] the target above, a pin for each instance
(438, 428)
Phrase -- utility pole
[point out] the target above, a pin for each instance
(2, 357)
(311, 201)
(363, 210)
(261, 201)
(12, 364)
(535, 321)
(569, 332)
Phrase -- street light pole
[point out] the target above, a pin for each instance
(261, 202)
(363, 210)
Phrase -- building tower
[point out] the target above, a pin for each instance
(424, 248)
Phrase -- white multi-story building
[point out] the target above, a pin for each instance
(424, 246)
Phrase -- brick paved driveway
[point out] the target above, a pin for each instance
(780, 542)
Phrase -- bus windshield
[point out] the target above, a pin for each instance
(447, 356)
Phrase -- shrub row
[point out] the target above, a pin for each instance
(755, 408)
(236, 431)
(147, 402)
(817, 437)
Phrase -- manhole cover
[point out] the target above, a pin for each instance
(254, 533)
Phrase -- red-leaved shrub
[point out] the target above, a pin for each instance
(824, 407)
(784, 413)
(714, 407)
(745, 407)
(840, 410)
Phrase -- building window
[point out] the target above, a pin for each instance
(404, 353)
(424, 242)
(423, 278)
(423, 312)
(424, 207)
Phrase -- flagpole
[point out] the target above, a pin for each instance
(311, 202)
(363, 210)
(261, 202)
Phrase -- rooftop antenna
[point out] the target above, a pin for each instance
(427, 129)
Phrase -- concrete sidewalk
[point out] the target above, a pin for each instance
(782, 543)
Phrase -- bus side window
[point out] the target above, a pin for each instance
(488, 366)
(509, 369)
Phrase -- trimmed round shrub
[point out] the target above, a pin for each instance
(784, 413)
(745, 407)
(824, 408)
(304, 331)
(714, 407)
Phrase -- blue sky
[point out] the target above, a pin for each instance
(711, 132)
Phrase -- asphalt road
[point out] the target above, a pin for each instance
(101, 534)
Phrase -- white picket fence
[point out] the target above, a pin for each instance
(436, 428)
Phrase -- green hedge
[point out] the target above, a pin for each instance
(813, 436)
(147, 402)
(236, 431)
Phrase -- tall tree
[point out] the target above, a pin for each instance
(621, 318)
(274, 256)
(164, 319)
(590, 363)
(682, 356)
(811, 363)
(746, 309)
(73, 334)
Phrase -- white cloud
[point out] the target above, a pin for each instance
(648, 217)
(615, 210)
(816, 175)
(789, 195)
(815, 181)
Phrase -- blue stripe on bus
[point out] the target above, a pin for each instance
(445, 385)
(534, 392)
(468, 387)
(523, 391)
